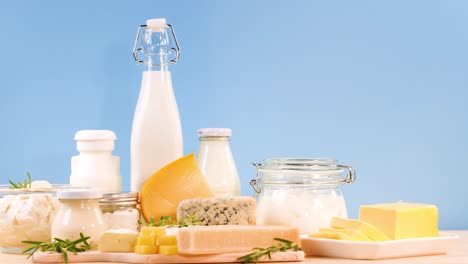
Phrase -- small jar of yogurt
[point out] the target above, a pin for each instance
(300, 192)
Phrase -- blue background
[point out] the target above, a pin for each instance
(380, 85)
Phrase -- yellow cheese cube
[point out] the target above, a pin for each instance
(355, 234)
(167, 240)
(117, 241)
(168, 250)
(156, 231)
(332, 235)
(402, 220)
(143, 249)
(367, 229)
(146, 240)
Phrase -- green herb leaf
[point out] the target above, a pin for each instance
(283, 246)
(59, 246)
(26, 184)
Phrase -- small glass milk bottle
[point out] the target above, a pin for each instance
(216, 162)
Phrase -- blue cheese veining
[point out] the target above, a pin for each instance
(237, 210)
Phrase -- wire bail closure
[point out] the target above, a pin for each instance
(255, 183)
(136, 49)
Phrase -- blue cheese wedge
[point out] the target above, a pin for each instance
(238, 210)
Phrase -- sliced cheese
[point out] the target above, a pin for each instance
(117, 240)
(196, 240)
(332, 235)
(402, 220)
(238, 210)
(367, 229)
(178, 181)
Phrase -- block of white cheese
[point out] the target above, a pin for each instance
(118, 240)
(238, 210)
(198, 240)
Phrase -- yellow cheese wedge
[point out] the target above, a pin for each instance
(197, 240)
(367, 229)
(142, 249)
(167, 240)
(168, 250)
(354, 234)
(180, 180)
(117, 240)
(146, 240)
(332, 235)
(153, 231)
(402, 220)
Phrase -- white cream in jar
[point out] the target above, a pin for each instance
(79, 212)
(301, 192)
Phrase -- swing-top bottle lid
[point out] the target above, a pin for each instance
(156, 23)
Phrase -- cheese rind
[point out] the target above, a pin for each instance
(367, 229)
(197, 240)
(402, 220)
(219, 211)
(116, 240)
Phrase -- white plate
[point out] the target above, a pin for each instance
(378, 250)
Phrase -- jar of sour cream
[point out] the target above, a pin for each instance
(79, 212)
(300, 192)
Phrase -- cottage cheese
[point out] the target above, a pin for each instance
(25, 217)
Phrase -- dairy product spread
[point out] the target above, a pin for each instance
(219, 211)
(402, 220)
(26, 217)
(365, 228)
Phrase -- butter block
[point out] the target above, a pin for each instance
(402, 220)
(117, 240)
(143, 249)
(354, 234)
(167, 240)
(168, 250)
(196, 240)
(332, 235)
(238, 210)
(367, 229)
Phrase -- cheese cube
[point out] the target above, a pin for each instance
(367, 229)
(354, 234)
(143, 249)
(167, 240)
(146, 240)
(402, 220)
(238, 210)
(117, 240)
(168, 250)
(196, 240)
(155, 231)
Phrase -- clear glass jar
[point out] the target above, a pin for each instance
(120, 210)
(300, 192)
(79, 212)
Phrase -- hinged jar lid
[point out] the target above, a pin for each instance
(310, 171)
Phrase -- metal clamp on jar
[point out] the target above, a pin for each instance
(300, 192)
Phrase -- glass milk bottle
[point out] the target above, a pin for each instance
(96, 167)
(156, 133)
(216, 162)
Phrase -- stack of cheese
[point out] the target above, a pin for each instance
(384, 222)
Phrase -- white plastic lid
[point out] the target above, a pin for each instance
(95, 140)
(156, 23)
(79, 194)
(214, 132)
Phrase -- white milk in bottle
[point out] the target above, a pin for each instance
(156, 132)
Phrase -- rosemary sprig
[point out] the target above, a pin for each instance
(22, 185)
(283, 246)
(59, 246)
